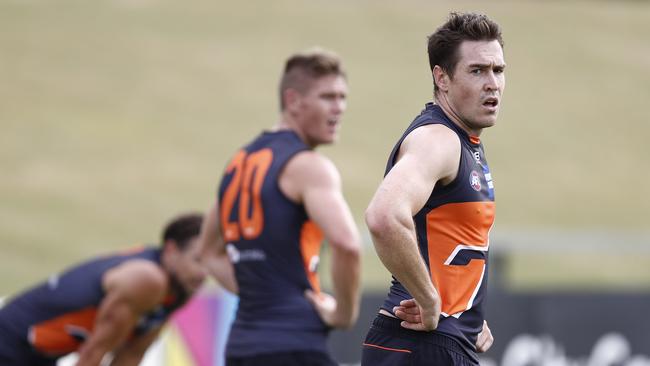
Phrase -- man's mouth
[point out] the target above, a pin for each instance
(491, 102)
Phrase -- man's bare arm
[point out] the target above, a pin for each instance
(214, 255)
(314, 181)
(429, 155)
(131, 354)
(485, 339)
(132, 289)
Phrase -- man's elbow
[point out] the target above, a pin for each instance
(348, 246)
(348, 323)
(378, 221)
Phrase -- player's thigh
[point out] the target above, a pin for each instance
(295, 358)
(16, 355)
(381, 348)
(434, 354)
(6, 359)
(21, 360)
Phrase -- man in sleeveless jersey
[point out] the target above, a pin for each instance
(431, 216)
(115, 303)
(278, 199)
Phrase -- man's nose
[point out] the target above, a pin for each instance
(491, 82)
(340, 105)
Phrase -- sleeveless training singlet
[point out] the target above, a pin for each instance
(55, 317)
(452, 232)
(274, 249)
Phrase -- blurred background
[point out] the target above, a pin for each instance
(116, 115)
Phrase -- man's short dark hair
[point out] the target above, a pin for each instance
(303, 68)
(444, 43)
(183, 228)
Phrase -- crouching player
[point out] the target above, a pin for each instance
(114, 304)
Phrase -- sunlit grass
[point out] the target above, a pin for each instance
(116, 115)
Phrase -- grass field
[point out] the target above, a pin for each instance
(116, 115)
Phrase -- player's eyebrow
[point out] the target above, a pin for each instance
(487, 65)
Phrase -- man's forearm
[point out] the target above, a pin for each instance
(90, 357)
(346, 268)
(124, 359)
(132, 353)
(397, 248)
(115, 320)
(222, 270)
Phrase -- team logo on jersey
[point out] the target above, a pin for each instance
(53, 282)
(233, 253)
(488, 179)
(475, 180)
(313, 264)
(77, 332)
(246, 255)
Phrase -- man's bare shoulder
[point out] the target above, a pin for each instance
(431, 138)
(433, 150)
(311, 166)
(140, 280)
(308, 170)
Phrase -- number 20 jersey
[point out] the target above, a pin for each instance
(274, 248)
(453, 235)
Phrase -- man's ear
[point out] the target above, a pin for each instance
(291, 98)
(441, 78)
(170, 248)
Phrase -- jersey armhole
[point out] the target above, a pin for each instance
(281, 169)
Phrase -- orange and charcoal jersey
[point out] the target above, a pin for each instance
(274, 248)
(54, 318)
(452, 233)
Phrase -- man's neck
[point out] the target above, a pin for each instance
(441, 100)
(286, 122)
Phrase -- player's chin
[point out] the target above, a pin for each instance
(328, 140)
(193, 287)
(487, 121)
(331, 134)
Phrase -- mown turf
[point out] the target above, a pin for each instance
(115, 115)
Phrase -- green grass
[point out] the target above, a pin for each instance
(116, 115)
(578, 271)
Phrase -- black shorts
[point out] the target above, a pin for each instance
(20, 356)
(388, 344)
(292, 358)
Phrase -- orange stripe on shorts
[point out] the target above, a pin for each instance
(388, 349)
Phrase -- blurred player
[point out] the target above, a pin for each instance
(278, 199)
(113, 304)
(431, 216)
